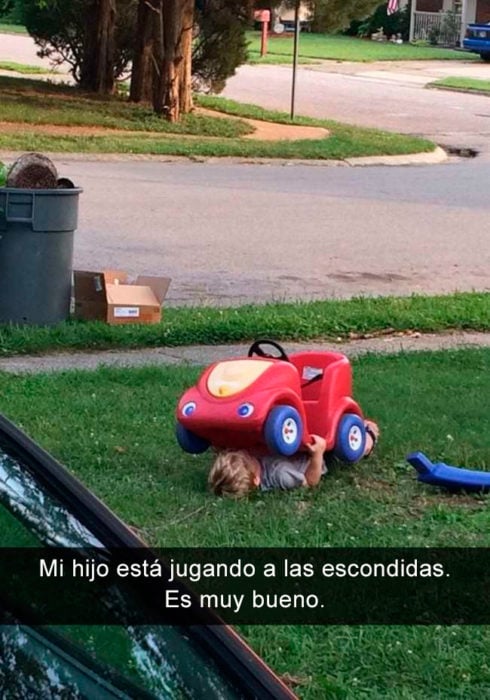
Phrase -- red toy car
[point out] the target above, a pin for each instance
(273, 403)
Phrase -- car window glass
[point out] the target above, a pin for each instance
(160, 661)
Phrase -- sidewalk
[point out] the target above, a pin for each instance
(206, 354)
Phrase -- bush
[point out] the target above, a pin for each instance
(61, 30)
(450, 28)
(397, 23)
(11, 11)
(220, 46)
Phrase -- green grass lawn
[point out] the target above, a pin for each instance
(332, 319)
(336, 47)
(26, 102)
(24, 68)
(114, 429)
(6, 28)
(464, 84)
(40, 102)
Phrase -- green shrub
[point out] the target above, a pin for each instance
(397, 23)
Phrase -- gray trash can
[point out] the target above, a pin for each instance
(36, 254)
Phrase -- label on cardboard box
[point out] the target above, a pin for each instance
(126, 312)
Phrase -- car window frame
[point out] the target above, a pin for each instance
(228, 650)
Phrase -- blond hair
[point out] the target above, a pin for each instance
(232, 474)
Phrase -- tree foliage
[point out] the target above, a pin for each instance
(329, 15)
(6, 6)
(74, 32)
(220, 46)
(333, 15)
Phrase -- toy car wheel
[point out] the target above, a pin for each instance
(189, 441)
(351, 438)
(283, 430)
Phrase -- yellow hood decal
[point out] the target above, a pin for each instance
(232, 376)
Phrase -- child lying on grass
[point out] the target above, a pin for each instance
(237, 472)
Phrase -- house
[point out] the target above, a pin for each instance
(445, 21)
(283, 15)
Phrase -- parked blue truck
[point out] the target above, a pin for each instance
(477, 40)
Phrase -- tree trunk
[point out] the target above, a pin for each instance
(142, 72)
(158, 85)
(166, 92)
(185, 69)
(172, 93)
(97, 73)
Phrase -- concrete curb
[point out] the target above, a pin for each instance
(467, 91)
(206, 354)
(432, 158)
(438, 155)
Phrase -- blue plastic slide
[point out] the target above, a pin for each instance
(453, 478)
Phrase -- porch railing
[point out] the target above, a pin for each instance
(442, 28)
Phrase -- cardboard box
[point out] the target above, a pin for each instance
(109, 296)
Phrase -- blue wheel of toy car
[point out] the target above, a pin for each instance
(189, 441)
(283, 430)
(351, 438)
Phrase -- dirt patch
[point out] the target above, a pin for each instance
(68, 130)
(271, 131)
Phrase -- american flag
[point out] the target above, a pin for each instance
(392, 7)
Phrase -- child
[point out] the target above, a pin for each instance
(237, 472)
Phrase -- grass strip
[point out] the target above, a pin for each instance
(113, 428)
(336, 47)
(462, 84)
(282, 321)
(24, 68)
(6, 28)
(347, 142)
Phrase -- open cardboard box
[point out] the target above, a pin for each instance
(108, 296)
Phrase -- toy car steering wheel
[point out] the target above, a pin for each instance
(256, 349)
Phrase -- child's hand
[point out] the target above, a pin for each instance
(318, 445)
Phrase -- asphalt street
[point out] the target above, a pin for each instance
(231, 233)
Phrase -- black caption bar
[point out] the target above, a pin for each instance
(246, 586)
